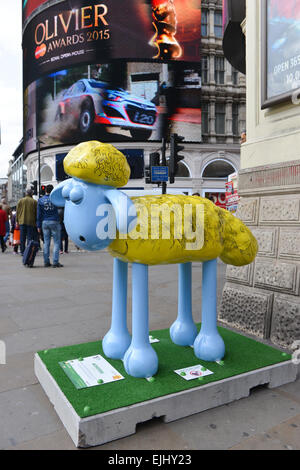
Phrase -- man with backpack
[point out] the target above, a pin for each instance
(48, 221)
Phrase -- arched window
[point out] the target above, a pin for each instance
(218, 169)
(183, 170)
(46, 174)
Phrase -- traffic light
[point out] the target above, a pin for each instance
(147, 175)
(43, 190)
(154, 160)
(175, 158)
(34, 187)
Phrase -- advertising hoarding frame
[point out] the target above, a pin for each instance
(268, 102)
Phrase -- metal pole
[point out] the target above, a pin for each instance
(164, 163)
(39, 168)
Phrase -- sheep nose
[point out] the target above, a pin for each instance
(81, 238)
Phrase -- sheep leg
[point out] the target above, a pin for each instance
(209, 345)
(140, 359)
(117, 340)
(184, 331)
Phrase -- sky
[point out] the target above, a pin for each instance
(11, 100)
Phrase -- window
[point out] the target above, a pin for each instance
(204, 22)
(205, 69)
(205, 118)
(219, 70)
(234, 76)
(235, 119)
(220, 118)
(218, 169)
(218, 24)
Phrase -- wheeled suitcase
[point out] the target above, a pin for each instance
(30, 253)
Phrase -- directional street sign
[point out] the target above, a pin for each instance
(159, 174)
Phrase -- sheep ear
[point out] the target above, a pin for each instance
(124, 209)
(58, 194)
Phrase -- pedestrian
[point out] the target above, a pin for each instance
(26, 218)
(3, 220)
(64, 235)
(7, 209)
(243, 138)
(48, 221)
(15, 231)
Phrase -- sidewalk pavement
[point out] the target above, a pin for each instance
(43, 308)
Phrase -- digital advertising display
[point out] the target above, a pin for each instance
(86, 31)
(111, 102)
(281, 50)
(109, 71)
(29, 6)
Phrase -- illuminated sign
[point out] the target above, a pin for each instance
(281, 43)
(92, 31)
(29, 6)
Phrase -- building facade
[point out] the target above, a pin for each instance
(3, 188)
(215, 151)
(264, 298)
(17, 177)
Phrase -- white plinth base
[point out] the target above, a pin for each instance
(106, 427)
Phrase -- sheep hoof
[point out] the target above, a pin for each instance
(209, 347)
(141, 362)
(115, 345)
(183, 333)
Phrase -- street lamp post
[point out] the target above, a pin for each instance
(39, 167)
(39, 142)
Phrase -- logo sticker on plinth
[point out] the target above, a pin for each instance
(153, 340)
(193, 372)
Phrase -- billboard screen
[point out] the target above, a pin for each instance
(29, 6)
(282, 46)
(111, 102)
(86, 31)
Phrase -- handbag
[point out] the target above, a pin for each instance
(16, 237)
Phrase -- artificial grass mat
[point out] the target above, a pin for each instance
(242, 355)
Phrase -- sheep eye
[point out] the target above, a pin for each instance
(66, 192)
(76, 195)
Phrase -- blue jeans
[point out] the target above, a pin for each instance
(26, 232)
(7, 228)
(51, 229)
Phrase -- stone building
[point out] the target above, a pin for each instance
(17, 176)
(264, 298)
(3, 188)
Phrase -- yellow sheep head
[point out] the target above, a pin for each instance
(98, 163)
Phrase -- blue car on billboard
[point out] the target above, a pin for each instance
(91, 102)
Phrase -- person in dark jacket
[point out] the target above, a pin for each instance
(48, 221)
(3, 220)
(64, 235)
(7, 209)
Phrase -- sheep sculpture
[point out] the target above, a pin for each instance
(149, 230)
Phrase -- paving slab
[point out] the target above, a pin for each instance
(285, 436)
(25, 414)
(17, 373)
